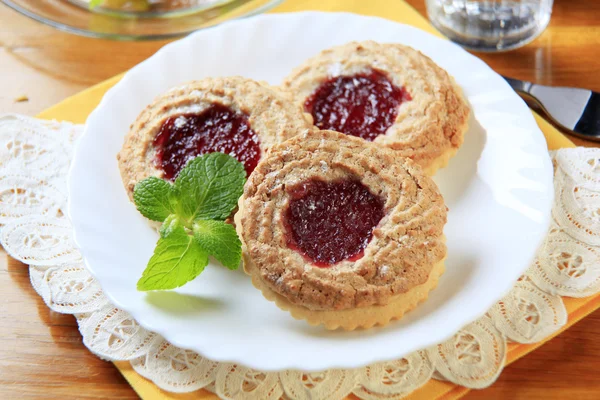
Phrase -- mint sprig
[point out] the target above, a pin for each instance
(176, 261)
(193, 210)
(210, 188)
(154, 199)
(220, 240)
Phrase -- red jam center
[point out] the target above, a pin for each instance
(363, 105)
(331, 221)
(185, 136)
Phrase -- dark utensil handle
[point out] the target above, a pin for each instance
(589, 123)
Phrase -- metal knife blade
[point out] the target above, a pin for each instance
(577, 110)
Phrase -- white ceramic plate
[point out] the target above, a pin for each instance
(498, 189)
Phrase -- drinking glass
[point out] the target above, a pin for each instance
(490, 25)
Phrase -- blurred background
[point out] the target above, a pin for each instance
(59, 64)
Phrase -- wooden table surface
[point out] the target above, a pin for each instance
(41, 354)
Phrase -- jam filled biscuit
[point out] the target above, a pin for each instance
(390, 94)
(234, 115)
(340, 231)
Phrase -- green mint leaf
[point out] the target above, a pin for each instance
(171, 224)
(203, 195)
(177, 259)
(95, 3)
(209, 187)
(153, 198)
(220, 241)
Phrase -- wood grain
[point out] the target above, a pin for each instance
(41, 355)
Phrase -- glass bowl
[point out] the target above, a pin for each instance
(137, 19)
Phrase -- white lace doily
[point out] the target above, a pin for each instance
(34, 159)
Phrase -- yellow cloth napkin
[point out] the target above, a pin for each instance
(78, 107)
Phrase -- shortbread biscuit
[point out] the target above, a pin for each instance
(262, 115)
(368, 271)
(387, 93)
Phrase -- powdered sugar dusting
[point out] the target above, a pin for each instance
(334, 69)
(180, 121)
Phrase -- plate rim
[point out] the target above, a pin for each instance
(538, 136)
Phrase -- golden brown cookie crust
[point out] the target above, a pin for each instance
(363, 317)
(428, 127)
(405, 246)
(269, 110)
